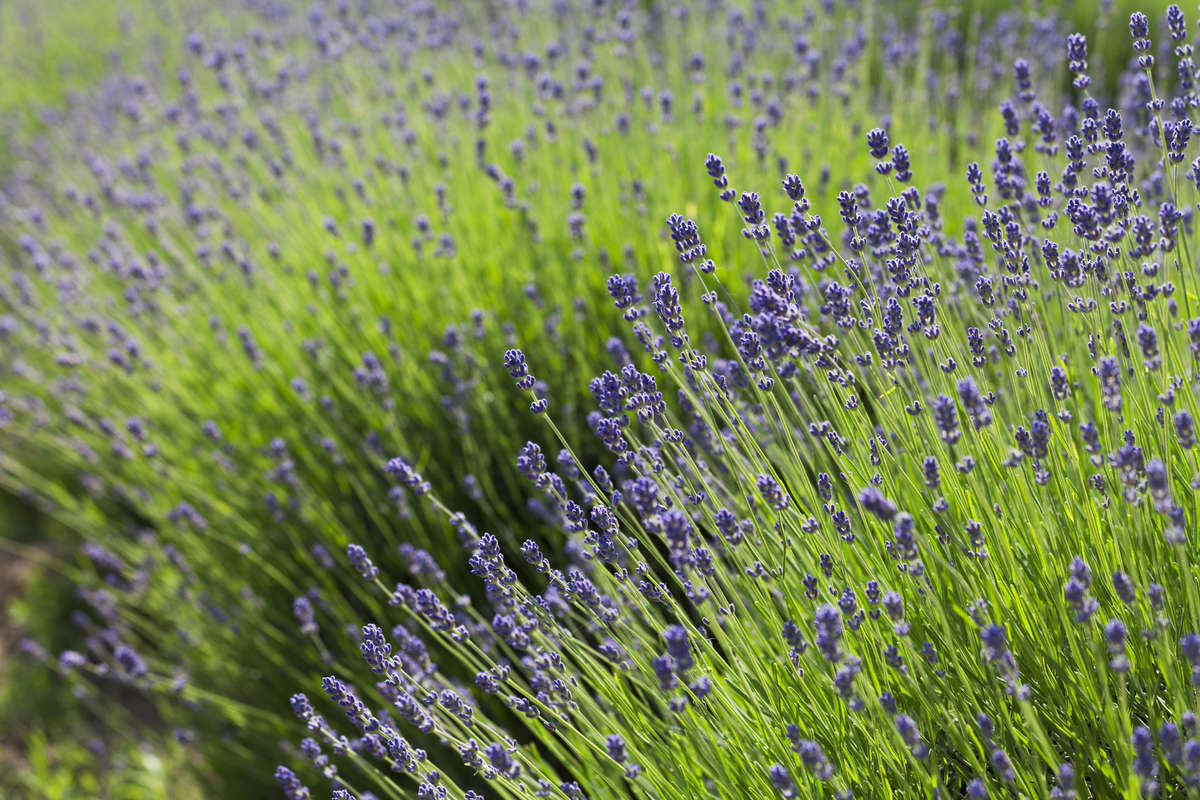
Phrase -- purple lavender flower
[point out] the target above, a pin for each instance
(132, 665)
(901, 163)
(1077, 59)
(1145, 761)
(873, 501)
(615, 745)
(1139, 28)
(1185, 429)
(877, 141)
(752, 213)
(1003, 766)
(716, 171)
(977, 789)
(361, 562)
(404, 472)
(1075, 591)
(514, 362)
(293, 789)
(945, 414)
(782, 781)
(666, 303)
(624, 291)
(811, 755)
(1066, 783)
(974, 403)
(678, 648)
(1109, 373)
(1115, 634)
(906, 726)
(828, 623)
(772, 492)
(303, 611)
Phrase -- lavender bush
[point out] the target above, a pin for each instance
(913, 521)
(907, 512)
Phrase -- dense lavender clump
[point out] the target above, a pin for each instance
(973, 332)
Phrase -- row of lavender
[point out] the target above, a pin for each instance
(895, 444)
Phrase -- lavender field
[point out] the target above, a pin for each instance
(599, 399)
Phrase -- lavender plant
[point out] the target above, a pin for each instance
(917, 519)
(224, 325)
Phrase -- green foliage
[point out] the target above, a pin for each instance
(62, 768)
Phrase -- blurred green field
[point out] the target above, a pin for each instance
(51, 51)
(52, 54)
